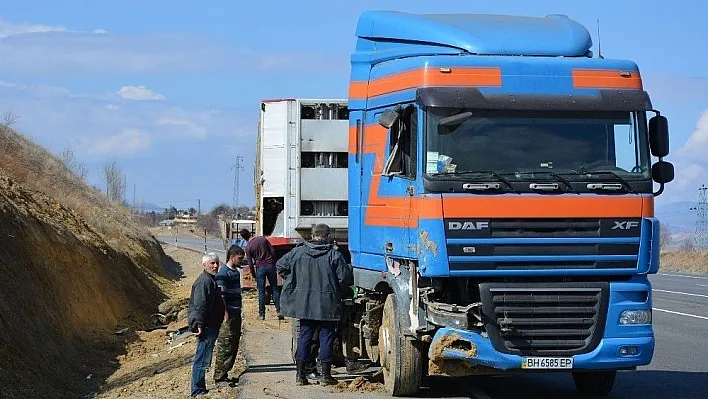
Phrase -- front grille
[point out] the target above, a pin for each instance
(544, 319)
(537, 244)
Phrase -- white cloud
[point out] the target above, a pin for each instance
(690, 164)
(139, 93)
(697, 144)
(127, 142)
(34, 49)
(9, 29)
(97, 125)
(189, 128)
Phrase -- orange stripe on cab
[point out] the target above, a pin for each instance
(526, 206)
(606, 79)
(423, 77)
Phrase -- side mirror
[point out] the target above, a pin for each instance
(659, 136)
(662, 172)
(389, 117)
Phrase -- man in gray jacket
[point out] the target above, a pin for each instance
(314, 275)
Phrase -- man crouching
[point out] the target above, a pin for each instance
(314, 274)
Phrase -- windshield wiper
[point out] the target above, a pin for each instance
(617, 177)
(487, 172)
(549, 173)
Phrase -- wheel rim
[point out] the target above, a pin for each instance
(386, 346)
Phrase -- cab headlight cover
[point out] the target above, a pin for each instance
(632, 317)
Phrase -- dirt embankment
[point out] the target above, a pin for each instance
(64, 290)
(154, 367)
(686, 262)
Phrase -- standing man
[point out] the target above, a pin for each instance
(315, 274)
(206, 313)
(229, 281)
(261, 260)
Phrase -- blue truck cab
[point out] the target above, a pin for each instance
(501, 192)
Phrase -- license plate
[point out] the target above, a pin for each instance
(547, 363)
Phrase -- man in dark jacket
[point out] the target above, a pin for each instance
(206, 313)
(314, 275)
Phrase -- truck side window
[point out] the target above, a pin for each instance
(402, 158)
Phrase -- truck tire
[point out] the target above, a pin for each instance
(401, 359)
(595, 383)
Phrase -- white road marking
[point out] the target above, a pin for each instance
(683, 276)
(702, 285)
(681, 293)
(680, 313)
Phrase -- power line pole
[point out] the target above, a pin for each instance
(238, 167)
(700, 238)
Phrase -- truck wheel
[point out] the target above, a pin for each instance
(401, 359)
(597, 383)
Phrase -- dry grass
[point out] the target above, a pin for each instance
(685, 262)
(74, 267)
(37, 169)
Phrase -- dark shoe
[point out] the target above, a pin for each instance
(300, 378)
(326, 377)
(356, 366)
(281, 317)
(313, 369)
(261, 316)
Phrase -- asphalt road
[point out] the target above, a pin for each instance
(678, 370)
(196, 244)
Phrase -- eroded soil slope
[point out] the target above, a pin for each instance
(63, 292)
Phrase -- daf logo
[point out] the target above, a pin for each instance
(624, 225)
(467, 225)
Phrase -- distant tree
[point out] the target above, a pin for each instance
(210, 223)
(665, 238)
(69, 158)
(687, 246)
(192, 211)
(9, 119)
(221, 209)
(170, 212)
(115, 181)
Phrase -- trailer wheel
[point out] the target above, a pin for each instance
(401, 359)
(595, 383)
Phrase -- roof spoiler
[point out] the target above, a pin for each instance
(472, 97)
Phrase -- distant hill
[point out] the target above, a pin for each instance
(677, 216)
(148, 207)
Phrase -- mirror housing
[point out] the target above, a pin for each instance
(389, 117)
(662, 172)
(659, 137)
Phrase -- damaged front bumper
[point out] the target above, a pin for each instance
(455, 352)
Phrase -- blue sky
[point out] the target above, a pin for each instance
(170, 89)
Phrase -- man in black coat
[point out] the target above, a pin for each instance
(314, 275)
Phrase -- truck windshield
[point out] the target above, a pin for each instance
(459, 141)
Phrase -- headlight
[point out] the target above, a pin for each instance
(635, 317)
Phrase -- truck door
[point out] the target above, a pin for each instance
(396, 172)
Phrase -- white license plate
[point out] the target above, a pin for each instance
(547, 363)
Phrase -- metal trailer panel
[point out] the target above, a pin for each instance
(272, 152)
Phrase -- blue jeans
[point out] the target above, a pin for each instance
(327, 335)
(202, 359)
(263, 272)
